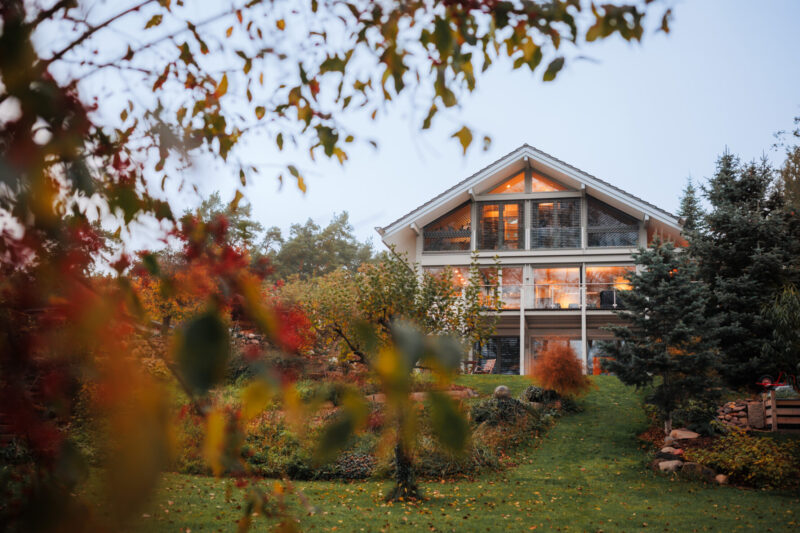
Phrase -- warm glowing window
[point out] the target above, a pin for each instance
(500, 226)
(450, 232)
(540, 183)
(458, 275)
(513, 185)
(608, 226)
(603, 284)
(556, 223)
(556, 288)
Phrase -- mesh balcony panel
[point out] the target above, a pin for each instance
(556, 223)
(450, 232)
(608, 226)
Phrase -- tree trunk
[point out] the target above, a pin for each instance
(668, 424)
(165, 323)
(405, 483)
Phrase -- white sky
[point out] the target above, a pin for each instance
(643, 117)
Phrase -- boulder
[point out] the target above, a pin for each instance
(670, 466)
(501, 391)
(721, 479)
(670, 449)
(683, 433)
(697, 472)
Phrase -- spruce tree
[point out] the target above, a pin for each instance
(742, 254)
(665, 339)
(690, 210)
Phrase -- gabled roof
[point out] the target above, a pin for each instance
(539, 160)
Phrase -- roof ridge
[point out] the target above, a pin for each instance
(382, 230)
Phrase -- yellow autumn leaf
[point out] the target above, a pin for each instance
(214, 444)
(255, 398)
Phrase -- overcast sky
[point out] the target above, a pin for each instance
(643, 117)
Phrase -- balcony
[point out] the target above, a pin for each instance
(557, 296)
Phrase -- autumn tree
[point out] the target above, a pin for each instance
(311, 250)
(96, 121)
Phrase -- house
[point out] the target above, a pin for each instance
(564, 240)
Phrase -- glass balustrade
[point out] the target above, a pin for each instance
(554, 296)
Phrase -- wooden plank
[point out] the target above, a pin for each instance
(785, 411)
(774, 410)
(788, 403)
(788, 420)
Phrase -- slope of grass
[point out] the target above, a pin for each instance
(587, 475)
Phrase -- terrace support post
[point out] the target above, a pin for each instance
(584, 341)
(774, 404)
(522, 370)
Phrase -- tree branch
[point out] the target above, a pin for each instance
(92, 30)
(66, 5)
(361, 355)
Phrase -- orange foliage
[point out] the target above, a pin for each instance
(558, 368)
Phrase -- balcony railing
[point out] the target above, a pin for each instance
(557, 296)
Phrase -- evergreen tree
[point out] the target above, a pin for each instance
(690, 210)
(742, 256)
(665, 333)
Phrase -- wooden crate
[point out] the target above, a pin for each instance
(781, 413)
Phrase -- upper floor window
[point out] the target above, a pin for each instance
(608, 226)
(512, 185)
(450, 232)
(500, 226)
(540, 183)
(556, 223)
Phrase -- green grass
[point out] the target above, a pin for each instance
(588, 474)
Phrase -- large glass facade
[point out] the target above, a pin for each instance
(540, 183)
(500, 355)
(603, 284)
(556, 223)
(512, 185)
(459, 275)
(556, 288)
(608, 226)
(450, 232)
(500, 226)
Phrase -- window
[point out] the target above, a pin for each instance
(541, 184)
(504, 351)
(603, 283)
(556, 223)
(513, 185)
(450, 232)
(500, 226)
(510, 287)
(556, 288)
(608, 226)
(459, 275)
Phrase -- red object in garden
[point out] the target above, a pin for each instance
(783, 380)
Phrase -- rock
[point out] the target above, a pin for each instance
(683, 433)
(721, 479)
(670, 449)
(668, 440)
(697, 472)
(670, 466)
(501, 391)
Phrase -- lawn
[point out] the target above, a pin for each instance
(588, 474)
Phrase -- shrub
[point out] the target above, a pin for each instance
(494, 411)
(697, 414)
(558, 368)
(539, 395)
(751, 460)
